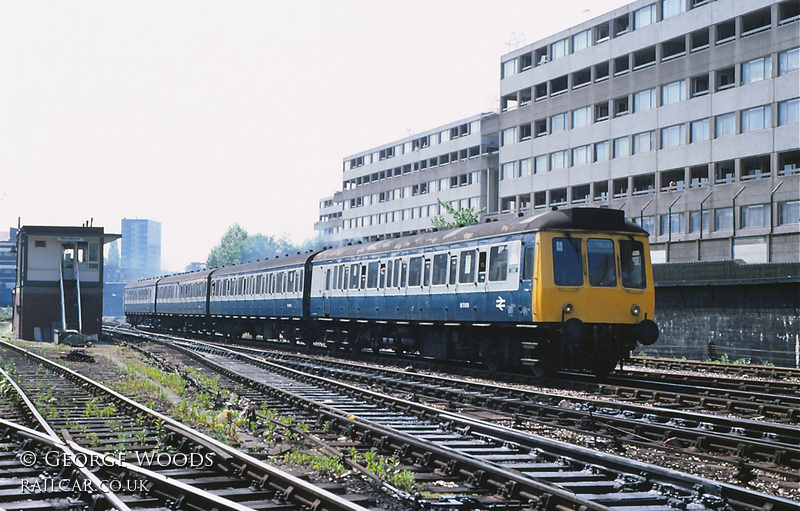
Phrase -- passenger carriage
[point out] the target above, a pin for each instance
(139, 302)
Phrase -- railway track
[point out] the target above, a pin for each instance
(716, 368)
(477, 454)
(113, 453)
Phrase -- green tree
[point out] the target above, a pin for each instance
(230, 249)
(461, 217)
(263, 246)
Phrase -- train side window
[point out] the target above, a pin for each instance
(345, 275)
(372, 275)
(498, 263)
(335, 277)
(363, 276)
(482, 267)
(354, 276)
(290, 277)
(396, 277)
(403, 274)
(453, 270)
(467, 274)
(632, 264)
(567, 268)
(439, 269)
(527, 264)
(300, 275)
(602, 262)
(342, 280)
(414, 271)
(280, 283)
(389, 270)
(382, 277)
(426, 281)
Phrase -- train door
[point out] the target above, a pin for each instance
(467, 284)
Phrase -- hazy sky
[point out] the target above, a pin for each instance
(199, 114)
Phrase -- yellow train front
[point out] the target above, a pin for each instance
(592, 293)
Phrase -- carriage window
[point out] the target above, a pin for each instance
(482, 267)
(300, 275)
(372, 275)
(427, 273)
(382, 282)
(467, 273)
(396, 274)
(341, 281)
(364, 276)
(567, 268)
(632, 262)
(527, 264)
(453, 269)
(439, 269)
(602, 263)
(498, 263)
(414, 271)
(290, 287)
(389, 270)
(354, 276)
(403, 274)
(280, 282)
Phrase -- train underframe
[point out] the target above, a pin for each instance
(544, 348)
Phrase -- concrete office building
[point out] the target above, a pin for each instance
(140, 255)
(393, 190)
(682, 113)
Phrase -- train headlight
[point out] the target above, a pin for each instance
(635, 310)
(568, 308)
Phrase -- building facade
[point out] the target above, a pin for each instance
(140, 254)
(682, 113)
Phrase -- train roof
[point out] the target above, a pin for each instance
(266, 264)
(143, 283)
(591, 219)
(185, 277)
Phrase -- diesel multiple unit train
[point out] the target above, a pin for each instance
(565, 289)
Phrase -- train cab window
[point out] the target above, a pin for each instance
(372, 275)
(602, 263)
(426, 279)
(632, 264)
(439, 269)
(482, 267)
(414, 271)
(467, 273)
(498, 263)
(354, 276)
(527, 264)
(567, 267)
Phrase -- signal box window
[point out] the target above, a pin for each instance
(498, 263)
(602, 263)
(567, 270)
(632, 263)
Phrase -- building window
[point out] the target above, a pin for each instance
(670, 8)
(700, 130)
(644, 100)
(581, 117)
(601, 112)
(672, 93)
(558, 160)
(507, 171)
(788, 112)
(756, 119)
(672, 136)
(525, 132)
(723, 219)
(580, 155)
(620, 106)
(756, 70)
(644, 16)
(601, 151)
(673, 223)
(789, 212)
(726, 125)
(699, 85)
(558, 123)
(559, 49)
(509, 136)
(509, 68)
(643, 142)
(698, 221)
(525, 167)
(789, 61)
(540, 164)
(622, 147)
(581, 40)
(755, 216)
